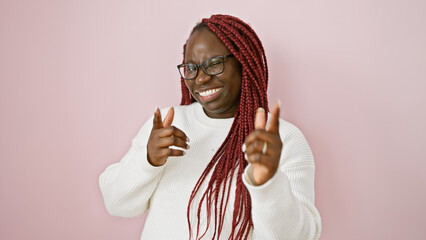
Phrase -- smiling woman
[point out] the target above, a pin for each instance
(242, 178)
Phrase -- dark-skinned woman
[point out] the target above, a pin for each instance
(218, 166)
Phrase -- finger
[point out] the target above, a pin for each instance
(157, 123)
(169, 152)
(173, 131)
(258, 146)
(260, 119)
(256, 158)
(172, 141)
(275, 116)
(259, 135)
(169, 117)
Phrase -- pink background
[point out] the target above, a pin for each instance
(79, 78)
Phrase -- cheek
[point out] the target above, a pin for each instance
(236, 77)
(188, 85)
(236, 81)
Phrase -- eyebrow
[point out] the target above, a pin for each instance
(187, 62)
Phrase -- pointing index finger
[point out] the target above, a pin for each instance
(275, 116)
(169, 117)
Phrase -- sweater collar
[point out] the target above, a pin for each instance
(201, 117)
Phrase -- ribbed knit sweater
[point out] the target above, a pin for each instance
(282, 208)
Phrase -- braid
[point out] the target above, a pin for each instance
(186, 95)
(229, 160)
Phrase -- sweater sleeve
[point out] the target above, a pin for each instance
(128, 185)
(283, 207)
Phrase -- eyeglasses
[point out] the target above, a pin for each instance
(212, 66)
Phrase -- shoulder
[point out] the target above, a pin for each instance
(287, 128)
(296, 149)
(290, 129)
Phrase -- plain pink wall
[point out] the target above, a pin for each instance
(79, 78)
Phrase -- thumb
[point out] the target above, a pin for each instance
(157, 123)
(169, 117)
(260, 119)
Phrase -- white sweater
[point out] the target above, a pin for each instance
(282, 208)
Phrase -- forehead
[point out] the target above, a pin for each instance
(203, 44)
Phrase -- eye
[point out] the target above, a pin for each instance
(190, 67)
(212, 62)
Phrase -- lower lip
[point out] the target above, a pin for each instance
(210, 97)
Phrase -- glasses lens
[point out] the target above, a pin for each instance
(188, 70)
(213, 66)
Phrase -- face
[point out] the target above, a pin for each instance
(220, 94)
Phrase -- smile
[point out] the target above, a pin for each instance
(210, 94)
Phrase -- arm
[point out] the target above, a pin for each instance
(128, 185)
(283, 207)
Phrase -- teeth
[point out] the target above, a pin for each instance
(209, 92)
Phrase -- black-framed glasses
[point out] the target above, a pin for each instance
(212, 66)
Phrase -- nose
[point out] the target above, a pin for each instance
(202, 77)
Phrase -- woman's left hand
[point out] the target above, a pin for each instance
(263, 147)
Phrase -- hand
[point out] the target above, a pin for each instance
(263, 147)
(163, 135)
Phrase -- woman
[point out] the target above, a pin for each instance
(212, 169)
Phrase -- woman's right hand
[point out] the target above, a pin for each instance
(163, 135)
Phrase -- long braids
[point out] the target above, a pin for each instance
(245, 45)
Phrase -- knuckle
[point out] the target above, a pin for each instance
(161, 154)
(169, 152)
(169, 129)
(256, 132)
(255, 145)
(249, 149)
(157, 132)
(253, 158)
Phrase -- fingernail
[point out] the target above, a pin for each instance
(187, 139)
(244, 147)
(279, 103)
(184, 153)
(187, 146)
(245, 156)
(260, 110)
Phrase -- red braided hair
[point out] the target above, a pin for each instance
(245, 45)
